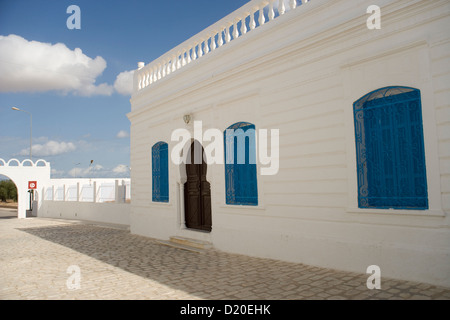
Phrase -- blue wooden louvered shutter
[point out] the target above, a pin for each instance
(240, 176)
(155, 173)
(390, 150)
(164, 165)
(160, 172)
(229, 168)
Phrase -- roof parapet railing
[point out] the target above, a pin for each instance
(245, 19)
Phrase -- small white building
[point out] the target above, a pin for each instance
(363, 117)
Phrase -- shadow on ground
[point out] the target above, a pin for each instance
(214, 274)
(7, 213)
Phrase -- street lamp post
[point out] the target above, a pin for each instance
(31, 128)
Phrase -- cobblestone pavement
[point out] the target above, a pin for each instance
(35, 255)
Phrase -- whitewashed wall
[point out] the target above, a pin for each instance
(96, 200)
(301, 74)
(110, 213)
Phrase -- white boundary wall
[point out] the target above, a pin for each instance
(112, 213)
(300, 74)
(97, 200)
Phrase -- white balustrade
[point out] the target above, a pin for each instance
(212, 38)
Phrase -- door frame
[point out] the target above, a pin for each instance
(181, 193)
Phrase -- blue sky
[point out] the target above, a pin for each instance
(79, 110)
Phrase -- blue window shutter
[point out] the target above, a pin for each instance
(155, 173)
(240, 176)
(390, 150)
(164, 184)
(160, 172)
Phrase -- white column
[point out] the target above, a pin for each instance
(22, 194)
(227, 34)
(243, 27)
(165, 69)
(252, 23)
(188, 53)
(159, 67)
(123, 194)
(281, 7)
(95, 192)
(213, 42)
(235, 30)
(194, 53)
(262, 19)
(116, 191)
(206, 46)
(271, 11)
(200, 49)
(293, 4)
(182, 217)
(147, 78)
(179, 64)
(219, 39)
(155, 74)
(183, 58)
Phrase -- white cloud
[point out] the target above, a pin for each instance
(33, 66)
(75, 172)
(124, 83)
(83, 172)
(121, 168)
(122, 134)
(51, 148)
(58, 173)
(97, 167)
(98, 171)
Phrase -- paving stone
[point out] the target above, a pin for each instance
(114, 264)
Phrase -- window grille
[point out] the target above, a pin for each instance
(160, 172)
(240, 164)
(390, 152)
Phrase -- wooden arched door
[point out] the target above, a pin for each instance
(197, 190)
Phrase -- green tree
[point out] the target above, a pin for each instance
(8, 191)
(3, 192)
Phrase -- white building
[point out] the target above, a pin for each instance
(364, 136)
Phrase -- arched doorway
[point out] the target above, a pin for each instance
(8, 198)
(23, 173)
(197, 190)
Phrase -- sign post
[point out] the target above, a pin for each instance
(32, 185)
